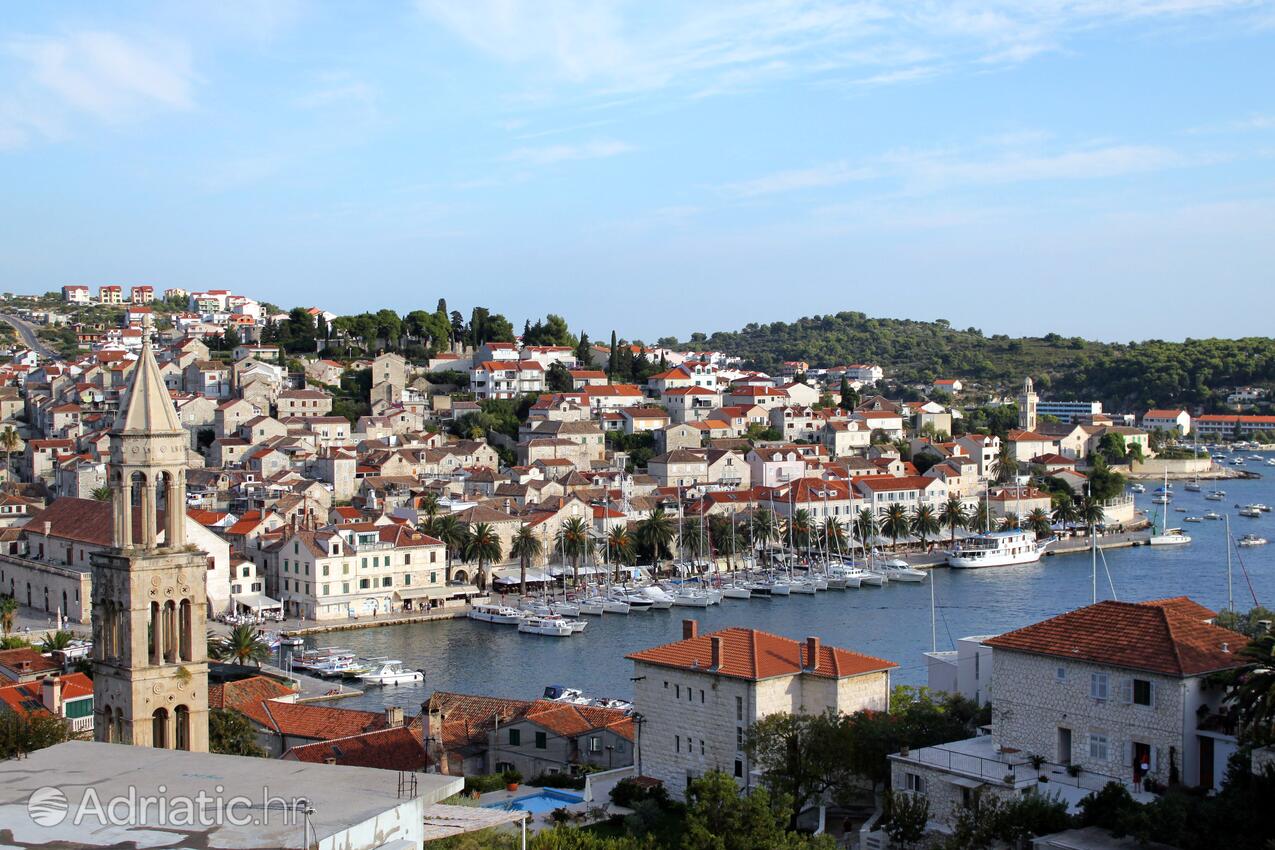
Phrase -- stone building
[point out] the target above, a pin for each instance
(700, 695)
(1113, 692)
(150, 671)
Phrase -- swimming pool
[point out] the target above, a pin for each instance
(543, 801)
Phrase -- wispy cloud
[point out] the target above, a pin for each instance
(818, 177)
(341, 90)
(611, 46)
(554, 154)
(89, 74)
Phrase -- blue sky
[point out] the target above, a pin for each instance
(1081, 166)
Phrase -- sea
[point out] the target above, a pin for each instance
(899, 622)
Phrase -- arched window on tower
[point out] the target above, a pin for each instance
(184, 626)
(181, 717)
(159, 729)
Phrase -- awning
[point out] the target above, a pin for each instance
(557, 570)
(962, 782)
(258, 602)
(514, 577)
(443, 821)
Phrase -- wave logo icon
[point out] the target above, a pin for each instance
(47, 806)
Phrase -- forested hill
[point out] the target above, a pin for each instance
(1151, 373)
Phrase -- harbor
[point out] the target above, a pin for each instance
(893, 621)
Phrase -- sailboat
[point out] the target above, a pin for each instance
(1169, 536)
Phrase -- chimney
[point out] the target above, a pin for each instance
(393, 716)
(51, 695)
(690, 629)
(329, 760)
(716, 643)
(812, 652)
(24, 666)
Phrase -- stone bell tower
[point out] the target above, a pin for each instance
(150, 669)
(1027, 407)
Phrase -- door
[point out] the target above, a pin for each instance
(1141, 760)
(1206, 762)
(1064, 745)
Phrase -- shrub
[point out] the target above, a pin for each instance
(484, 782)
(628, 793)
(558, 780)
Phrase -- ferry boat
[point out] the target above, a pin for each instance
(502, 614)
(997, 549)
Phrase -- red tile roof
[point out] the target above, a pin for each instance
(26, 697)
(752, 654)
(318, 722)
(1167, 636)
(400, 748)
(250, 691)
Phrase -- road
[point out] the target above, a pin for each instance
(26, 330)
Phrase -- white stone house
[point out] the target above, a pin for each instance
(1112, 692)
(699, 696)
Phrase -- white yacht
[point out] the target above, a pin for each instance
(1137, 488)
(1161, 499)
(1170, 537)
(736, 591)
(636, 601)
(803, 585)
(614, 606)
(1251, 540)
(592, 605)
(688, 598)
(997, 549)
(1251, 511)
(1212, 515)
(661, 599)
(564, 609)
(1215, 495)
(388, 671)
(548, 626)
(501, 614)
(897, 569)
(1192, 519)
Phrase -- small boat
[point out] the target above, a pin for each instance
(1191, 519)
(1251, 511)
(1170, 537)
(780, 588)
(564, 609)
(1215, 496)
(873, 578)
(1270, 461)
(1263, 507)
(635, 601)
(1179, 510)
(689, 598)
(803, 585)
(1161, 499)
(661, 599)
(1191, 487)
(736, 591)
(614, 606)
(548, 626)
(501, 614)
(388, 671)
(898, 569)
(1137, 488)
(1237, 461)
(1251, 540)
(1212, 515)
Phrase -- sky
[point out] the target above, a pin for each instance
(1093, 168)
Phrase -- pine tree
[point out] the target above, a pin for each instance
(612, 361)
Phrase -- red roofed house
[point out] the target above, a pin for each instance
(69, 697)
(506, 379)
(1174, 421)
(700, 695)
(1121, 690)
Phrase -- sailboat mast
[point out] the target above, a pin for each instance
(1230, 598)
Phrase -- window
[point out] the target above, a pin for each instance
(739, 709)
(345, 587)
(407, 558)
(1098, 746)
(914, 782)
(677, 744)
(701, 696)
(1142, 692)
(325, 589)
(515, 737)
(407, 578)
(1098, 685)
(542, 741)
(433, 578)
(1060, 674)
(739, 738)
(595, 744)
(701, 746)
(677, 691)
(739, 769)
(364, 584)
(666, 686)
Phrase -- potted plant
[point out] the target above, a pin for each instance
(1037, 762)
(512, 777)
(1073, 770)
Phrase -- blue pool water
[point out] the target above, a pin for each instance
(538, 803)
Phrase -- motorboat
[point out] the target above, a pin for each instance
(548, 626)
(661, 599)
(1161, 499)
(388, 671)
(1251, 511)
(502, 614)
(1237, 461)
(1215, 496)
(1191, 519)
(997, 549)
(1212, 515)
(1191, 487)
(1137, 488)
(1263, 507)
(593, 605)
(685, 597)
(1251, 540)
(1170, 537)
(564, 609)
(897, 569)
(326, 660)
(614, 606)
(636, 601)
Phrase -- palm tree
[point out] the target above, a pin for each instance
(723, 536)
(526, 547)
(451, 531)
(8, 611)
(1010, 521)
(895, 522)
(655, 535)
(952, 516)
(1253, 685)
(1038, 521)
(982, 517)
(1006, 463)
(865, 527)
(429, 507)
(1091, 512)
(243, 644)
(765, 528)
(576, 541)
(8, 444)
(54, 641)
(924, 523)
(832, 535)
(482, 544)
(1065, 512)
(799, 527)
(622, 545)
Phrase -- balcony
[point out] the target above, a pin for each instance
(79, 725)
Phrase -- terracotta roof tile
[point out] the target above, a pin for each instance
(752, 654)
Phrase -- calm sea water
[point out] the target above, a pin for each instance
(891, 622)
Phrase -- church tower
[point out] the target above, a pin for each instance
(150, 669)
(1027, 407)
